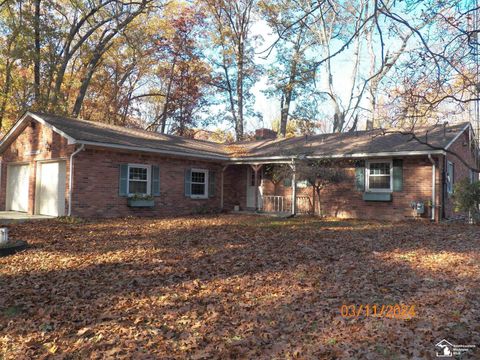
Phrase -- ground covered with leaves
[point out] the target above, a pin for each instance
(234, 286)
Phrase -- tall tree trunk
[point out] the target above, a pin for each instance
(317, 188)
(86, 81)
(36, 65)
(288, 91)
(163, 119)
(240, 69)
(6, 90)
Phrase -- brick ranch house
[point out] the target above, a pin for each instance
(58, 166)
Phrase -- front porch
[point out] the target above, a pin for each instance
(246, 188)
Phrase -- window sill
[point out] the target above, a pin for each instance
(198, 197)
(377, 196)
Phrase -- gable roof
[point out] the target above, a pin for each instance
(105, 135)
(373, 143)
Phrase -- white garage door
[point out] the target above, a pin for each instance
(17, 187)
(50, 194)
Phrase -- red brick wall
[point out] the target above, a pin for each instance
(96, 185)
(35, 143)
(462, 148)
(235, 189)
(342, 200)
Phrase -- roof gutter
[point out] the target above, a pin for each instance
(70, 179)
(146, 149)
(339, 156)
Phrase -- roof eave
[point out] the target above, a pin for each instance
(285, 158)
(155, 151)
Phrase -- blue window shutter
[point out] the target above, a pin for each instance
(123, 181)
(188, 182)
(211, 183)
(155, 180)
(397, 175)
(360, 176)
(287, 182)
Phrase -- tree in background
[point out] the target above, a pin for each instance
(235, 71)
(277, 173)
(291, 72)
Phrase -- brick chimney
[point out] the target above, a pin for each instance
(264, 134)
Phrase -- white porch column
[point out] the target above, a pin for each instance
(256, 168)
(221, 186)
(294, 189)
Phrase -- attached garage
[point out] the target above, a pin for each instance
(17, 187)
(50, 188)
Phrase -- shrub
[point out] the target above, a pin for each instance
(467, 198)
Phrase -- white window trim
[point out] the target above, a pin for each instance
(205, 195)
(149, 178)
(367, 175)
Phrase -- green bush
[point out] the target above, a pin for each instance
(466, 197)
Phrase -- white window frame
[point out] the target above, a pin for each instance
(205, 194)
(149, 178)
(367, 175)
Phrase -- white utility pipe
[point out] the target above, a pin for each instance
(70, 179)
(434, 171)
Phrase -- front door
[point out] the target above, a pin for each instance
(251, 188)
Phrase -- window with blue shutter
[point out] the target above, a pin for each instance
(123, 180)
(360, 175)
(450, 177)
(188, 182)
(397, 175)
(155, 180)
(287, 182)
(211, 183)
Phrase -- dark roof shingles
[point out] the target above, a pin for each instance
(368, 142)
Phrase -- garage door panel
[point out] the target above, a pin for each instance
(51, 180)
(17, 187)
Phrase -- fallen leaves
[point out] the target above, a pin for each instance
(236, 286)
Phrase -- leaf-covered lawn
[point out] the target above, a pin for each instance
(237, 287)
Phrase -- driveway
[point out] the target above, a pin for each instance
(13, 217)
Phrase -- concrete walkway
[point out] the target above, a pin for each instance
(12, 217)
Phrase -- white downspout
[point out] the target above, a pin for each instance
(434, 178)
(70, 179)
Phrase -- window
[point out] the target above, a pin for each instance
(303, 184)
(473, 176)
(450, 177)
(199, 184)
(379, 176)
(138, 179)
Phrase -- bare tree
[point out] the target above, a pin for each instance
(232, 26)
(319, 174)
